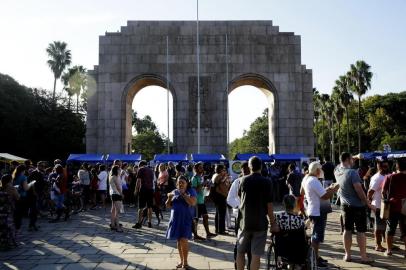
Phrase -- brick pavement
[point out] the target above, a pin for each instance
(85, 242)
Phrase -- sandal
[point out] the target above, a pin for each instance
(380, 249)
(388, 253)
(179, 265)
(367, 261)
(347, 259)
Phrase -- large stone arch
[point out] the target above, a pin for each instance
(258, 54)
(265, 86)
(130, 91)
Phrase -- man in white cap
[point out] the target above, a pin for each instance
(314, 193)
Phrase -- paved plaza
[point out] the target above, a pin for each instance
(86, 242)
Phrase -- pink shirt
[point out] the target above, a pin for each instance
(163, 178)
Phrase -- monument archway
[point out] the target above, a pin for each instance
(266, 87)
(257, 54)
(130, 91)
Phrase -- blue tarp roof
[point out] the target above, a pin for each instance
(247, 156)
(370, 155)
(85, 158)
(124, 157)
(288, 157)
(170, 157)
(208, 157)
(397, 154)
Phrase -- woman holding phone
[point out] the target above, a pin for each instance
(180, 223)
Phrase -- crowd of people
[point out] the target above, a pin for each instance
(366, 195)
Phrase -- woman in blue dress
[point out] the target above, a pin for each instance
(180, 223)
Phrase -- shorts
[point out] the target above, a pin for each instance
(251, 241)
(319, 227)
(201, 210)
(116, 197)
(146, 198)
(380, 224)
(393, 221)
(354, 215)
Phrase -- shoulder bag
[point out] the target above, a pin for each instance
(385, 205)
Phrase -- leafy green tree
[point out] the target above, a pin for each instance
(34, 126)
(148, 143)
(255, 140)
(143, 125)
(360, 80)
(59, 59)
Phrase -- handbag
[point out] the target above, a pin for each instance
(385, 205)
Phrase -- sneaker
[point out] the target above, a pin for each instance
(137, 226)
(321, 264)
(198, 238)
(320, 259)
(210, 235)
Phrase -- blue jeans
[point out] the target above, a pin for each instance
(59, 199)
(319, 226)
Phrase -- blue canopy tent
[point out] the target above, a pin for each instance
(397, 154)
(208, 158)
(170, 157)
(246, 156)
(129, 158)
(369, 155)
(287, 157)
(89, 158)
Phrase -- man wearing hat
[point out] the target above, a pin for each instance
(314, 193)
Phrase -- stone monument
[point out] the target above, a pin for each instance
(258, 55)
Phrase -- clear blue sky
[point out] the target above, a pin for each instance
(335, 33)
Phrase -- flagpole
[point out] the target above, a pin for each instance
(167, 88)
(227, 93)
(198, 76)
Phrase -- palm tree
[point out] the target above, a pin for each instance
(66, 87)
(345, 97)
(327, 114)
(317, 110)
(338, 113)
(76, 82)
(59, 59)
(360, 80)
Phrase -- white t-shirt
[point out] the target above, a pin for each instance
(376, 185)
(313, 191)
(103, 180)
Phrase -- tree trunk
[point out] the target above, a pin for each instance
(77, 103)
(315, 137)
(332, 141)
(338, 139)
(359, 123)
(53, 93)
(348, 130)
(323, 145)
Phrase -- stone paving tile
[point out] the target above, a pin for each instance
(86, 242)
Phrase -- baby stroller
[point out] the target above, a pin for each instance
(291, 249)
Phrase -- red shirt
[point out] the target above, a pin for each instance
(395, 187)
